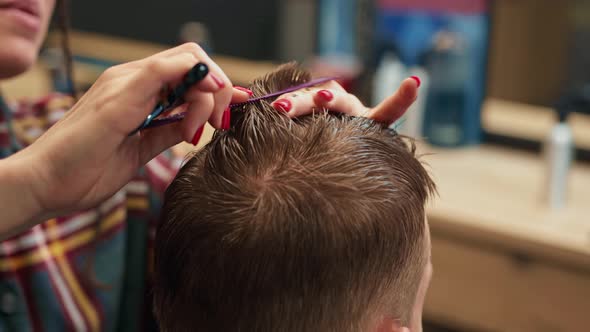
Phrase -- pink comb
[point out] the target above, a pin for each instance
(177, 117)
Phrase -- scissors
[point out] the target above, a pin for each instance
(176, 96)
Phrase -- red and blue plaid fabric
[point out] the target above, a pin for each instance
(87, 271)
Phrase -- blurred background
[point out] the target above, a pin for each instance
(503, 119)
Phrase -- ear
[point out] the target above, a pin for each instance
(387, 324)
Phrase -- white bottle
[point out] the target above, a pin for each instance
(559, 151)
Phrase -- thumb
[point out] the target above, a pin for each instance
(396, 105)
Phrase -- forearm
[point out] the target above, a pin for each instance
(19, 208)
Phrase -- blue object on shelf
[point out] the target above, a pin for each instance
(445, 120)
(457, 76)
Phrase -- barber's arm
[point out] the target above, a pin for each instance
(88, 155)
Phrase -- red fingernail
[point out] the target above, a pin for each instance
(326, 95)
(197, 136)
(225, 120)
(417, 79)
(283, 105)
(248, 91)
(218, 81)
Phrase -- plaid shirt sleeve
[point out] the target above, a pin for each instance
(87, 271)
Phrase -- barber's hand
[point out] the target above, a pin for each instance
(333, 96)
(87, 156)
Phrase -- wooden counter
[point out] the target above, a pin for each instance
(502, 260)
(518, 120)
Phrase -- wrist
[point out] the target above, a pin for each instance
(19, 204)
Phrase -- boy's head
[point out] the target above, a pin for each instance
(312, 224)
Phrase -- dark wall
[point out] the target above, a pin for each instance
(246, 28)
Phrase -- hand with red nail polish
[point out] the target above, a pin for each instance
(333, 97)
(87, 157)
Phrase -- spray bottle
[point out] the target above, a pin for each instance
(559, 151)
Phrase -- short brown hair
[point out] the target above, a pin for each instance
(292, 225)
